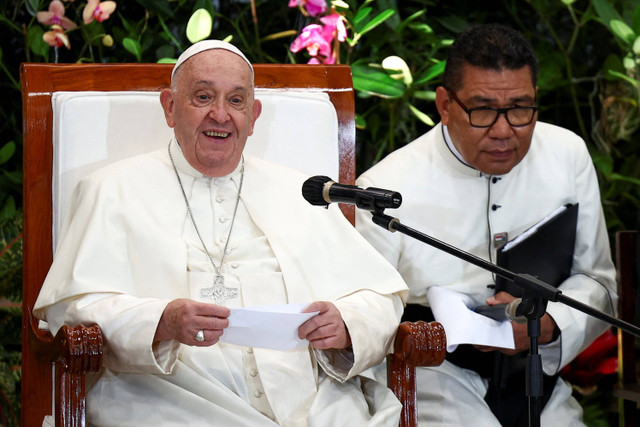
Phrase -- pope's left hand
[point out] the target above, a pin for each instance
(326, 329)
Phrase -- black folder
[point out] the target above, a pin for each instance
(546, 254)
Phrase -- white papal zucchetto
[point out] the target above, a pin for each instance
(203, 45)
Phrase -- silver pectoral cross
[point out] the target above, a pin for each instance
(218, 292)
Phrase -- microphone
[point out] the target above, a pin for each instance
(512, 311)
(321, 190)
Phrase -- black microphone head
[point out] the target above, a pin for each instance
(313, 188)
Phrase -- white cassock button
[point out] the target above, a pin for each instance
(253, 372)
(250, 350)
(235, 265)
(257, 393)
(219, 199)
(223, 219)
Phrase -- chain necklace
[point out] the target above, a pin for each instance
(218, 291)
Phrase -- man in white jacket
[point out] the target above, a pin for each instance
(160, 246)
(485, 174)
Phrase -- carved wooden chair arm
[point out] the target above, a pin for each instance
(75, 351)
(416, 344)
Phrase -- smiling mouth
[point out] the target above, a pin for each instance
(214, 134)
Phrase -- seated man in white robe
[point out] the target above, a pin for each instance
(159, 247)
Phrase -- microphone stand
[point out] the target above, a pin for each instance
(536, 294)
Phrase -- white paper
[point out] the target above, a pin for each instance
(274, 326)
(464, 326)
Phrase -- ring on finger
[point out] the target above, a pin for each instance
(200, 335)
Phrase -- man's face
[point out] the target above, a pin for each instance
(212, 110)
(497, 149)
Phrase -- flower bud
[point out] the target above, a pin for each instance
(107, 40)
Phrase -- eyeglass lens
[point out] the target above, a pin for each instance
(516, 116)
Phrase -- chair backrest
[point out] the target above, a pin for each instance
(79, 117)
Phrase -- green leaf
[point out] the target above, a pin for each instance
(431, 73)
(361, 123)
(32, 6)
(410, 19)
(424, 118)
(634, 83)
(617, 177)
(383, 16)
(132, 46)
(7, 151)
(36, 44)
(606, 11)
(426, 95)
(376, 82)
(131, 28)
(623, 31)
(199, 26)
(166, 51)
(167, 61)
(635, 47)
(361, 15)
(204, 4)
(9, 209)
(159, 6)
(603, 163)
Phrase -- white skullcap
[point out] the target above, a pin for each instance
(203, 45)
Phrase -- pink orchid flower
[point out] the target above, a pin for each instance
(100, 11)
(313, 7)
(313, 40)
(334, 26)
(55, 16)
(56, 37)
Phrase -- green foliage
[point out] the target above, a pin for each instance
(589, 54)
(10, 319)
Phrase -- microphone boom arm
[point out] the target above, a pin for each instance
(530, 285)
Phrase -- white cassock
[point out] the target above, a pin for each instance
(129, 248)
(453, 202)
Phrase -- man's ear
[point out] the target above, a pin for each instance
(256, 111)
(443, 103)
(166, 100)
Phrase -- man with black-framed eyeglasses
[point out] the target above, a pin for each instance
(482, 176)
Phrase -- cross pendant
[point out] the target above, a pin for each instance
(218, 292)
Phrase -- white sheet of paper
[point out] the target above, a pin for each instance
(464, 326)
(273, 326)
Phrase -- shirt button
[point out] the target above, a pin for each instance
(253, 372)
(257, 393)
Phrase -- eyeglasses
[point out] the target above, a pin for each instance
(484, 117)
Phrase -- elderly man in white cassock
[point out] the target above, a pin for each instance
(159, 247)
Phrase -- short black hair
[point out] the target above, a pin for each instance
(490, 46)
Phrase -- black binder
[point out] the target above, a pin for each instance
(546, 254)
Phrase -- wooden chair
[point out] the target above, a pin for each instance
(628, 388)
(54, 368)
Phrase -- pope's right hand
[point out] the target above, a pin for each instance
(183, 318)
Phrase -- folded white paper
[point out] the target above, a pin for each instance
(464, 326)
(274, 326)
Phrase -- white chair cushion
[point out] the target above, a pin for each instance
(91, 129)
